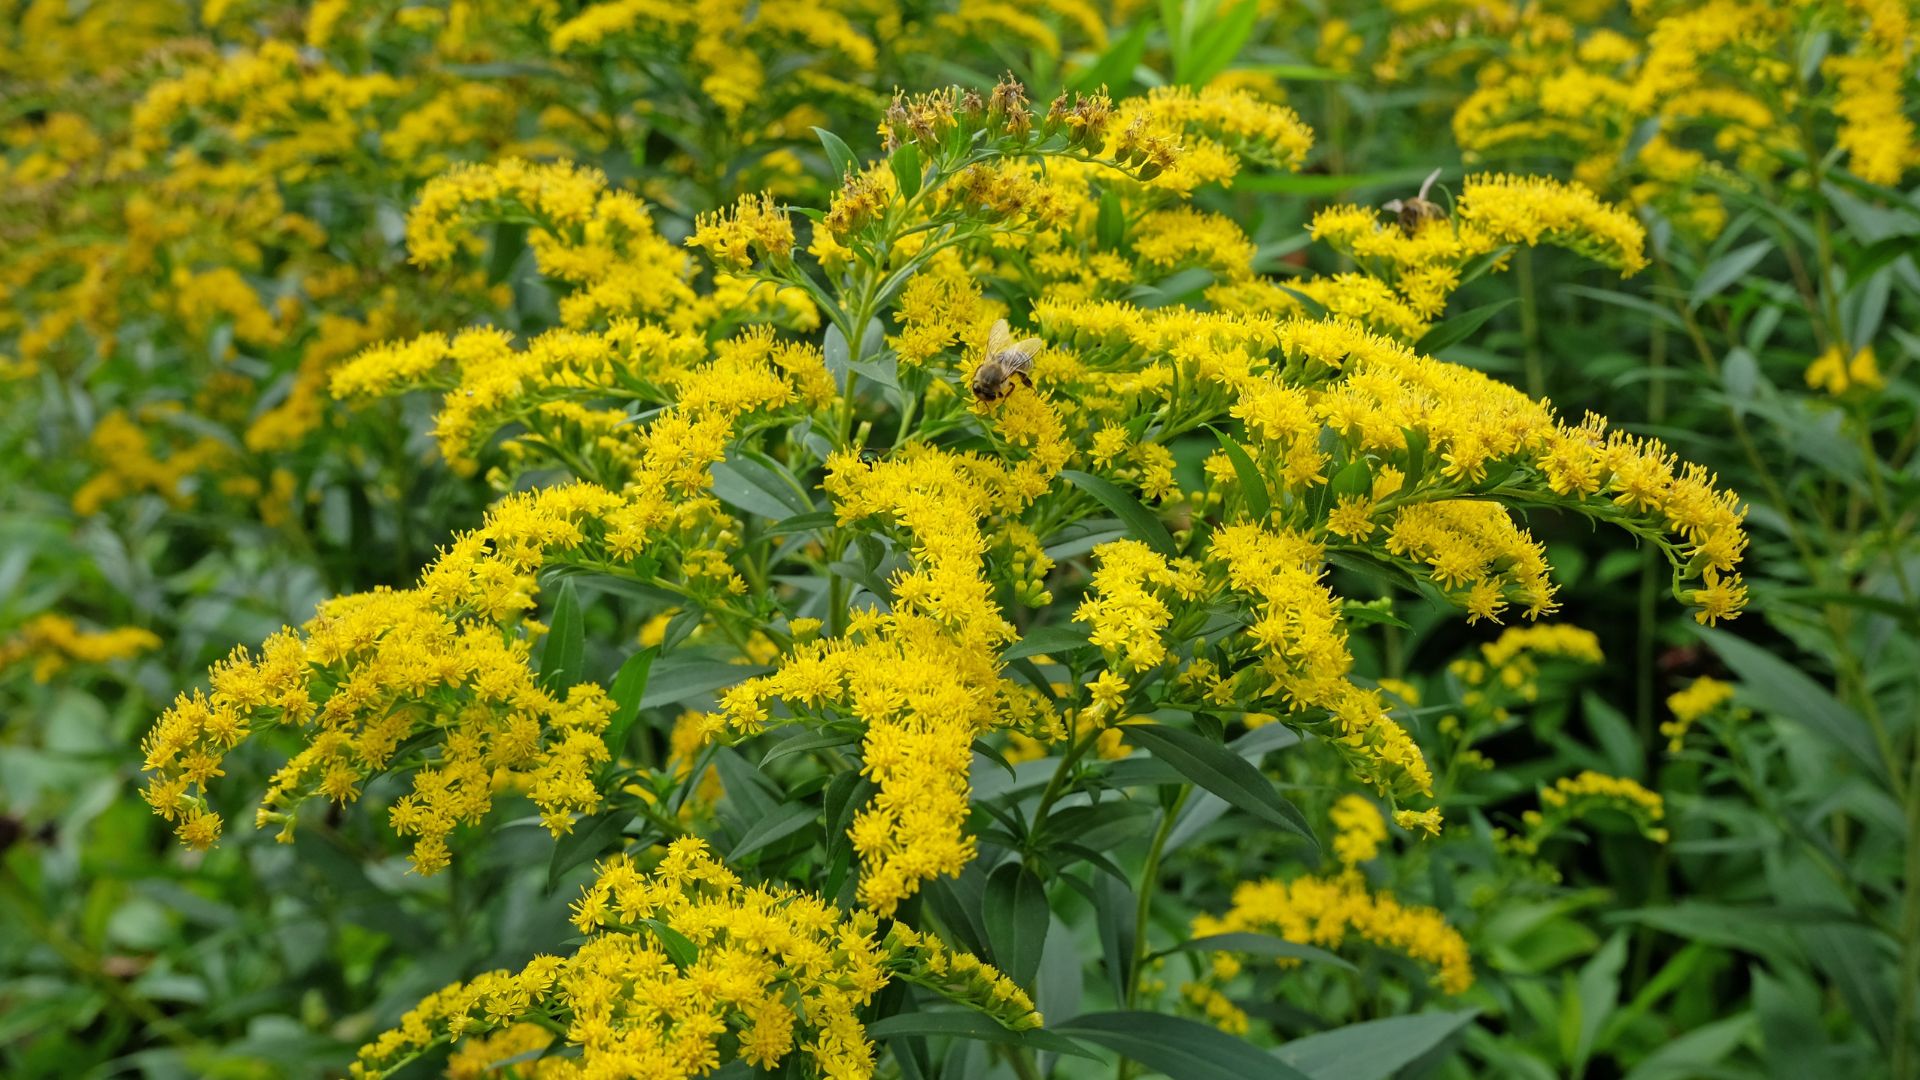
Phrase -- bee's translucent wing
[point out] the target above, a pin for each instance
(1019, 355)
(998, 338)
(1428, 185)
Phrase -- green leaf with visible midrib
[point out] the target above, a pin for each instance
(1261, 945)
(629, 687)
(1183, 1049)
(839, 156)
(1726, 270)
(972, 1025)
(1017, 917)
(1046, 640)
(563, 660)
(1779, 688)
(1372, 1049)
(1459, 328)
(1221, 771)
(1139, 520)
(1253, 487)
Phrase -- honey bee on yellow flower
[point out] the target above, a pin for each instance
(1417, 211)
(1006, 361)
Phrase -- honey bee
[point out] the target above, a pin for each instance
(1417, 211)
(1006, 361)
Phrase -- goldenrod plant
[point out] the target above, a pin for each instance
(610, 538)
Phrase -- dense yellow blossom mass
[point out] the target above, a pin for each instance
(684, 956)
(799, 402)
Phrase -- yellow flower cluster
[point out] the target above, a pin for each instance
(1730, 68)
(1327, 911)
(1128, 608)
(371, 672)
(1574, 797)
(1216, 128)
(1359, 830)
(1546, 639)
(54, 642)
(1299, 644)
(1688, 704)
(725, 50)
(1414, 268)
(921, 680)
(685, 969)
(124, 449)
(599, 242)
(753, 227)
(1838, 376)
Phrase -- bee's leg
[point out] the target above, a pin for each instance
(1025, 378)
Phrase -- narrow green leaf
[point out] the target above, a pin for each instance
(817, 519)
(1183, 1049)
(790, 818)
(1354, 478)
(1449, 332)
(752, 486)
(972, 1025)
(1372, 1049)
(1218, 41)
(1657, 312)
(1698, 1051)
(1777, 687)
(1114, 68)
(629, 687)
(509, 241)
(563, 661)
(1113, 910)
(1221, 771)
(1016, 917)
(683, 952)
(1253, 488)
(1726, 270)
(677, 678)
(1048, 640)
(589, 837)
(808, 741)
(748, 790)
(839, 155)
(1739, 376)
(1262, 945)
(1598, 987)
(1139, 520)
(906, 167)
(1111, 226)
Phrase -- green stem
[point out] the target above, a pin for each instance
(1022, 1067)
(1644, 651)
(1530, 323)
(1143, 912)
(1904, 1037)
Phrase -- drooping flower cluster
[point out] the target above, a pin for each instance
(1572, 798)
(373, 671)
(1423, 259)
(1332, 911)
